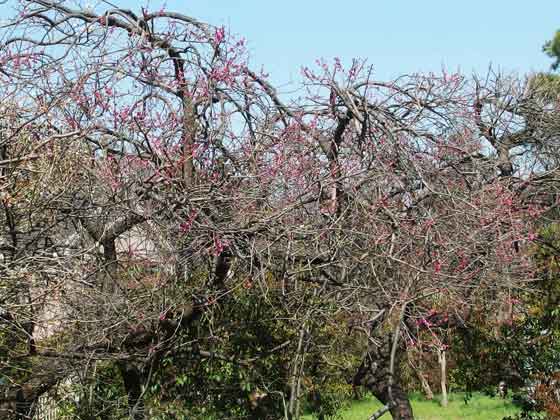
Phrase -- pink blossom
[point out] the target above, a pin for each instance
(186, 226)
(532, 236)
(219, 35)
(219, 246)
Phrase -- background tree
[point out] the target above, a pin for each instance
(552, 48)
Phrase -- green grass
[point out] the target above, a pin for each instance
(480, 407)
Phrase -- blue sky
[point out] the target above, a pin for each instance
(396, 36)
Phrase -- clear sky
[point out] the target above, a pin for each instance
(396, 36)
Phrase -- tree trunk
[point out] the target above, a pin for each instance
(419, 371)
(425, 385)
(293, 407)
(111, 266)
(374, 373)
(443, 365)
(24, 406)
(132, 379)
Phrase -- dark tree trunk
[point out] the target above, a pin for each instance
(111, 266)
(24, 407)
(375, 374)
(132, 378)
(400, 407)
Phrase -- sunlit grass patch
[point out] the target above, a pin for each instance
(479, 407)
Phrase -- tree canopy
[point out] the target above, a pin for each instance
(182, 239)
(552, 48)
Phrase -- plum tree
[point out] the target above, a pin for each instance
(149, 175)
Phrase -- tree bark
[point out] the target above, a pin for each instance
(374, 373)
(425, 385)
(111, 266)
(293, 408)
(443, 365)
(419, 371)
(132, 379)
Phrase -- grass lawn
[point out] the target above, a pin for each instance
(480, 407)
